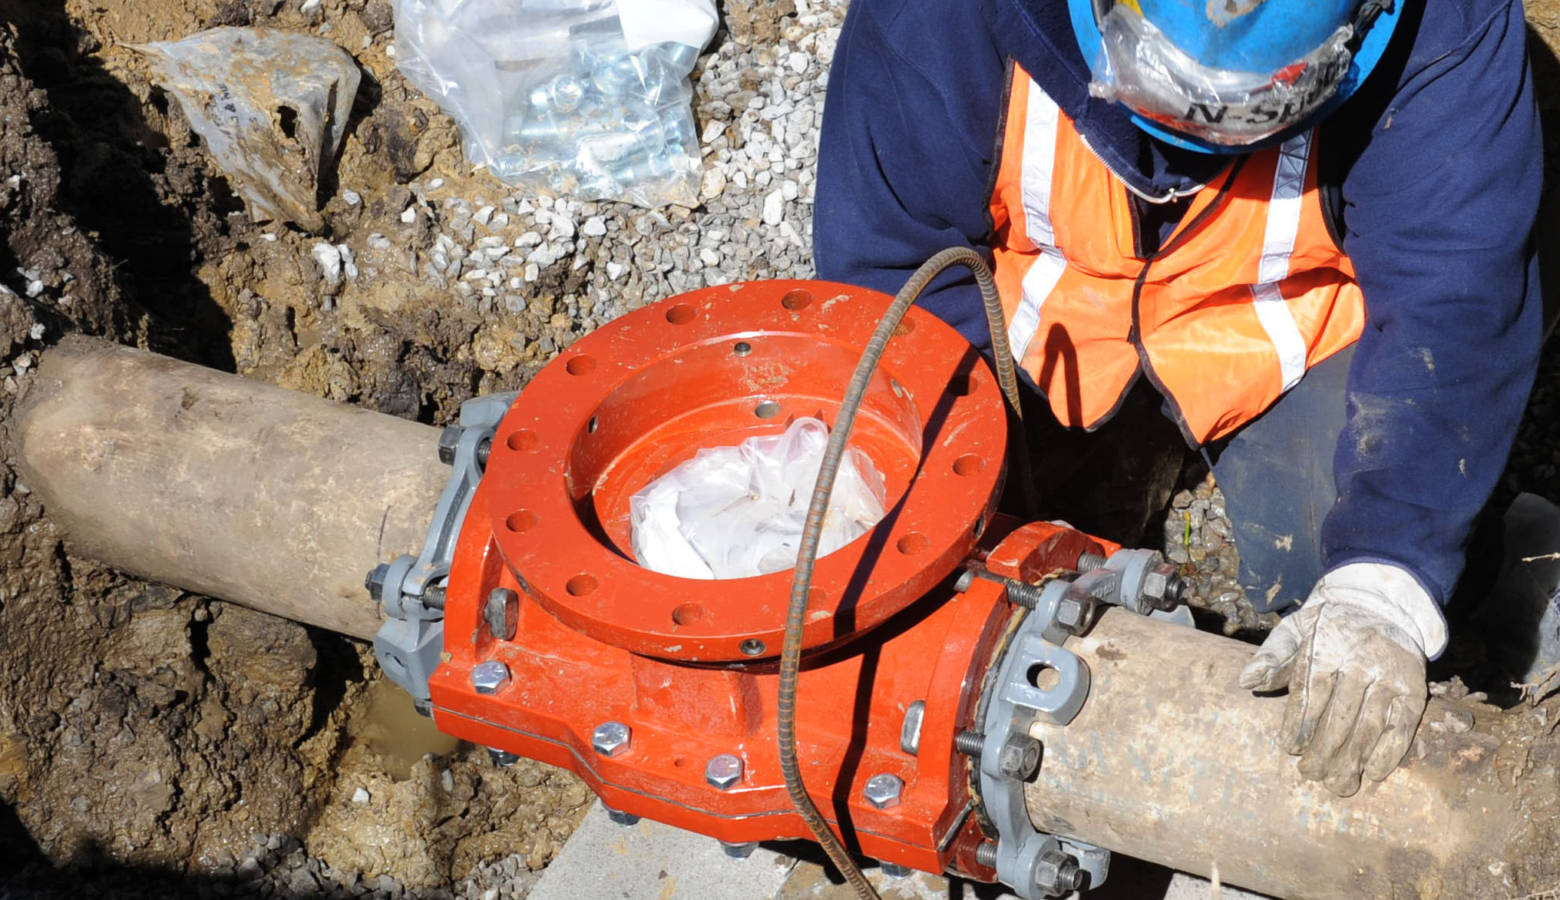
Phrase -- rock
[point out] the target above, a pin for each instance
(774, 207)
(329, 259)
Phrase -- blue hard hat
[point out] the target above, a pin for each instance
(1265, 38)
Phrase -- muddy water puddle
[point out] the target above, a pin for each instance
(392, 729)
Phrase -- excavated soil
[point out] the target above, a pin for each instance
(155, 743)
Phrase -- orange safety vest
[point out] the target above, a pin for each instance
(1250, 290)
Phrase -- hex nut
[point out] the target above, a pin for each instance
(883, 790)
(1162, 586)
(1057, 872)
(723, 771)
(740, 850)
(611, 738)
(502, 758)
(1073, 614)
(502, 613)
(1020, 757)
(449, 441)
(617, 816)
(375, 581)
(489, 677)
(910, 731)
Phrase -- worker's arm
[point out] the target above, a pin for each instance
(915, 96)
(1438, 212)
(1438, 208)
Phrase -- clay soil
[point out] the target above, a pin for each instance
(154, 743)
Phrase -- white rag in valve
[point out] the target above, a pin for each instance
(735, 512)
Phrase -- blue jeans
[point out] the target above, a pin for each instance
(1277, 477)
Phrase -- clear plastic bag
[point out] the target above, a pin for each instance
(734, 512)
(588, 98)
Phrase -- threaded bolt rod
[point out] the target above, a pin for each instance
(969, 742)
(986, 854)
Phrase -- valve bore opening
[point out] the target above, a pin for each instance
(703, 397)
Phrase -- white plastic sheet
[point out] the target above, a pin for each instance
(735, 512)
(588, 98)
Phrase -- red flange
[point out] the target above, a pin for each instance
(710, 368)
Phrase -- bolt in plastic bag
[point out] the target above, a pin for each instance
(582, 97)
(735, 512)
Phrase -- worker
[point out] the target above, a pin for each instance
(1304, 225)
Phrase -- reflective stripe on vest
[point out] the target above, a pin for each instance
(1249, 290)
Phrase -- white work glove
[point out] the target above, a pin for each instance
(1353, 658)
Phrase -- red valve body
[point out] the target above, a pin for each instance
(688, 665)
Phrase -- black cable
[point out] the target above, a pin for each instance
(807, 551)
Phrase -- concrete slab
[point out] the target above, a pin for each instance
(650, 861)
(1190, 887)
(1130, 879)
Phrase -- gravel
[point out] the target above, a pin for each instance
(1197, 538)
(494, 250)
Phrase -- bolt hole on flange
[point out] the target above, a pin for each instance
(767, 410)
(796, 300)
(1043, 676)
(752, 647)
(581, 584)
(689, 614)
(741, 348)
(523, 440)
(969, 464)
(580, 365)
(592, 425)
(522, 520)
(913, 543)
(681, 314)
(905, 326)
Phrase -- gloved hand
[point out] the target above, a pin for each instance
(1353, 658)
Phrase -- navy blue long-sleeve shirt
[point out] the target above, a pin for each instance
(1432, 171)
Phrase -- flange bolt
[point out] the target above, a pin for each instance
(910, 731)
(883, 790)
(739, 851)
(489, 677)
(1020, 757)
(375, 582)
(969, 742)
(611, 738)
(1163, 587)
(1056, 872)
(986, 854)
(723, 771)
(502, 613)
(449, 439)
